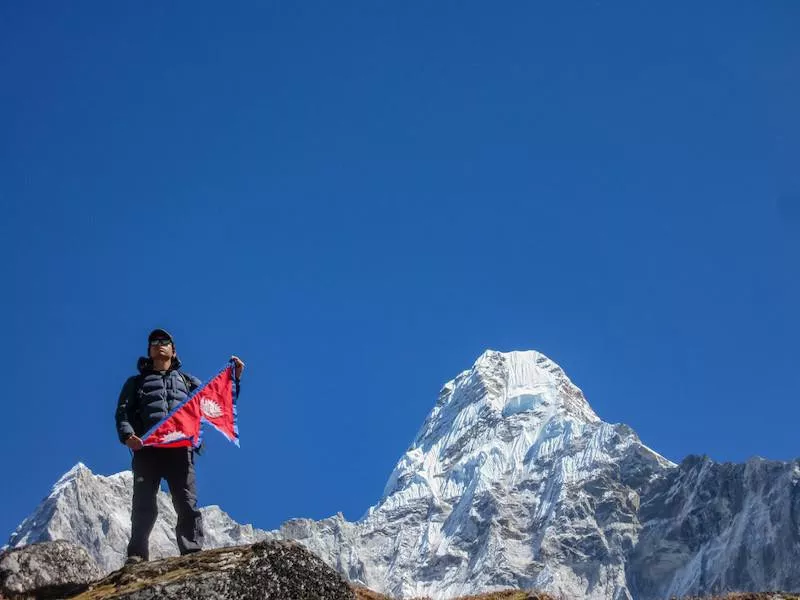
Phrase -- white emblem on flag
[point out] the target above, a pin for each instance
(173, 436)
(210, 408)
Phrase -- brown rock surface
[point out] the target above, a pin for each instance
(262, 571)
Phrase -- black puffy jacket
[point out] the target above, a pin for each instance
(147, 398)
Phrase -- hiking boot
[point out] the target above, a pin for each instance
(133, 560)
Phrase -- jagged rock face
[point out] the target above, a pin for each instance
(711, 528)
(513, 481)
(46, 570)
(263, 571)
(95, 512)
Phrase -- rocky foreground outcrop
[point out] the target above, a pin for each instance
(262, 571)
(47, 570)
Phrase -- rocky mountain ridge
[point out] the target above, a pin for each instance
(94, 511)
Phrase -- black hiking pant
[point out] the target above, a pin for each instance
(176, 465)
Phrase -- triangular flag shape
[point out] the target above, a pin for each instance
(217, 401)
(213, 402)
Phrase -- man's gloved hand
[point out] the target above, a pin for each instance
(134, 443)
(239, 367)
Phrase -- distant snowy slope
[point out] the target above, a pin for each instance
(94, 511)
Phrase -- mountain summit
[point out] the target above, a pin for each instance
(491, 422)
(511, 482)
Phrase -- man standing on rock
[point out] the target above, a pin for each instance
(145, 400)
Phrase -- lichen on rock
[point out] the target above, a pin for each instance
(263, 571)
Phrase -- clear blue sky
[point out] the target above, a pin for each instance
(359, 198)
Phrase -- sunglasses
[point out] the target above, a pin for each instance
(160, 342)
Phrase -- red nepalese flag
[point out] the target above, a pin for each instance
(213, 402)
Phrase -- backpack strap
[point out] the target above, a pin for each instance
(188, 382)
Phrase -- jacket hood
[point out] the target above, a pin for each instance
(146, 364)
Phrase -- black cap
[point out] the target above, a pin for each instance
(158, 334)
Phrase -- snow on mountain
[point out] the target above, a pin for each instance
(95, 512)
(512, 481)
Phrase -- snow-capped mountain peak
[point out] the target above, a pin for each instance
(497, 490)
(67, 479)
(489, 421)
